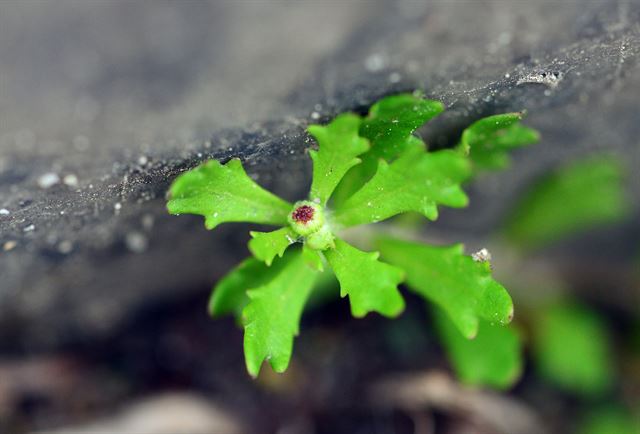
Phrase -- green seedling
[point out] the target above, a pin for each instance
(365, 170)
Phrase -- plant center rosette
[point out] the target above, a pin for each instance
(308, 220)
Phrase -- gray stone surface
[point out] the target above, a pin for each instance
(103, 104)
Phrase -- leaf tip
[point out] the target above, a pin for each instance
(397, 310)
(171, 206)
(210, 222)
(355, 312)
(510, 314)
(437, 105)
(212, 308)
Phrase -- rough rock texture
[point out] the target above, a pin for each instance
(103, 104)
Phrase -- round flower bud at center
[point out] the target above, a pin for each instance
(307, 219)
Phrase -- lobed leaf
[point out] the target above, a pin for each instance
(493, 358)
(229, 294)
(417, 181)
(462, 287)
(224, 193)
(389, 128)
(392, 121)
(312, 258)
(272, 316)
(372, 286)
(488, 140)
(573, 199)
(338, 147)
(325, 289)
(265, 246)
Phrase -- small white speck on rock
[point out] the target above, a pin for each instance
(65, 247)
(147, 221)
(374, 62)
(394, 77)
(29, 228)
(48, 180)
(4, 211)
(70, 180)
(136, 242)
(9, 245)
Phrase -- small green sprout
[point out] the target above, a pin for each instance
(365, 170)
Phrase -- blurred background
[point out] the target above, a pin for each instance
(103, 323)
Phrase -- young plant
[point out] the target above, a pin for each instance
(365, 170)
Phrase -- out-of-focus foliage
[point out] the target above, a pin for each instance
(572, 348)
(493, 358)
(572, 199)
(230, 293)
(610, 420)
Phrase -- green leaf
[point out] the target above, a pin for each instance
(417, 181)
(488, 140)
(229, 294)
(312, 258)
(325, 289)
(372, 286)
(573, 199)
(338, 146)
(610, 419)
(389, 127)
(572, 348)
(462, 287)
(272, 317)
(267, 245)
(493, 358)
(224, 193)
(392, 121)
